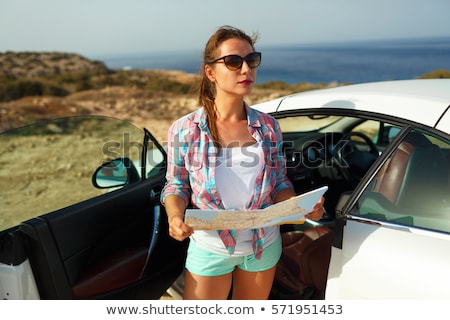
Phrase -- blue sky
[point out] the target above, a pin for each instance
(92, 27)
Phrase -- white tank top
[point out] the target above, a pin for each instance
(236, 172)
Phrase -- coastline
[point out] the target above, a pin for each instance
(342, 62)
(44, 85)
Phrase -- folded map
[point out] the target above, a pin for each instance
(290, 211)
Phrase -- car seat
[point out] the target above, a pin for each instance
(412, 187)
(303, 267)
(388, 180)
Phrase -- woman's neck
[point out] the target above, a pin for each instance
(230, 110)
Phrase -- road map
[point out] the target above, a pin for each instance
(291, 211)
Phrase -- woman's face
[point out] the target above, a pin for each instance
(228, 82)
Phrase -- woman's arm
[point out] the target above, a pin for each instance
(175, 207)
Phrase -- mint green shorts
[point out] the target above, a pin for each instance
(205, 263)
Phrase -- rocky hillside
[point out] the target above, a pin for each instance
(42, 85)
(39, 64)
(37, 86)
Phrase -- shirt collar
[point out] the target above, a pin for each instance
(199, 117)
(252, 117)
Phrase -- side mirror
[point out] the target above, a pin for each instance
(115, 173)
(389, 133)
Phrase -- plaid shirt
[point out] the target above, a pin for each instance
(192, 159)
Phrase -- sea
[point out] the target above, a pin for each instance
(344, 62)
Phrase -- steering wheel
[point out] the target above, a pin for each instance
(352, 162)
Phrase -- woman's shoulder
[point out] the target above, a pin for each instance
(189, 120)
(188, 127)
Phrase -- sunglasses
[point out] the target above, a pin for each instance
(234, 62)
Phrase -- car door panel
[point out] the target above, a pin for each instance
(395, 233)
(377, 257)
(83, 241)
(96, 247)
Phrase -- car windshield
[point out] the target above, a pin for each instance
(309, 123)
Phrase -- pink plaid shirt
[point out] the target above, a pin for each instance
(192, 158)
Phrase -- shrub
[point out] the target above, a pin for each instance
(436, 74)
(16, 89)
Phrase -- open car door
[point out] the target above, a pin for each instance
(80, 213)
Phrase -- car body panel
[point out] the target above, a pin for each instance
(18, 282)
(377, 255)
(444, 122)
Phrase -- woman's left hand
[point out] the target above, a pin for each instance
(317, 212)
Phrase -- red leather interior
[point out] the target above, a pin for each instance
(305, 260)
(415, 175)
(115, 271)
(390, 177)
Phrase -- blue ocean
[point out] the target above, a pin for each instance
(351, 62)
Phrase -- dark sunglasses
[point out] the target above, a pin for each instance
(234, 62)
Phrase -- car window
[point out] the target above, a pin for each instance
(381, 133)
(412, 187)
(155, 161)
(50, 164)
(369, 128)
(306, 123)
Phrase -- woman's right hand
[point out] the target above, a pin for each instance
(178, 229)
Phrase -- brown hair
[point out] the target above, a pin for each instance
(207, 90)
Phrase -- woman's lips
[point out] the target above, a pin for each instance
(246, 82)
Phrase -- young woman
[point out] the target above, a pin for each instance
(227, 155)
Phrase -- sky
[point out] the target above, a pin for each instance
(96, 27)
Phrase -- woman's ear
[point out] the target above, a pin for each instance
(209, 72)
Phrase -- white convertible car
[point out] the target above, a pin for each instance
(384, 150)
(87, 223)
